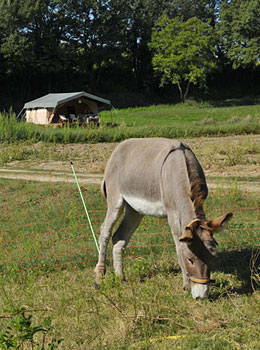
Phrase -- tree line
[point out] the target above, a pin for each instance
(117, 47)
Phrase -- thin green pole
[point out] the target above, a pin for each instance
(85, 207)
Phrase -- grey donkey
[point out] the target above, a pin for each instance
(163, 178)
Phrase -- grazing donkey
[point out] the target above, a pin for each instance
(160, 177)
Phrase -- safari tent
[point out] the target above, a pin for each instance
(60, 107)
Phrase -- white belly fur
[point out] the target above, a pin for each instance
(146, 207)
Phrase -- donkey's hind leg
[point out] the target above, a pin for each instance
(114, 210)
(122, 236)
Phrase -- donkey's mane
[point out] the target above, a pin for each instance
(199, 190)
(198, 195)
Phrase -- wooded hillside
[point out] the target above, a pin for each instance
(109, 48)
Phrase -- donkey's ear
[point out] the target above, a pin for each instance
(219, 223)
(188, 232)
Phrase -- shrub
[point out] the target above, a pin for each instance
(21, 332)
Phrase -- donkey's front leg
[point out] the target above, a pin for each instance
(174, 222)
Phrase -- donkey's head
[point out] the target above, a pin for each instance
(198, 251)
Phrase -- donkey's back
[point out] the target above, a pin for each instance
(135, 170)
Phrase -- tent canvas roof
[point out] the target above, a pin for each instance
(54, 100)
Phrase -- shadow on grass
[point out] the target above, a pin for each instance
(236, 102)
(238, 263)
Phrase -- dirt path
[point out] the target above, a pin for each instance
(50, 176)
(221, 157)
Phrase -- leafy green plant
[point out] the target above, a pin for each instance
(140, 267)
(111, 281)
(22, 332)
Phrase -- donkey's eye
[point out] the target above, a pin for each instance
(191, 261)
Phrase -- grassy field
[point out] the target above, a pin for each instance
(181, 114)
(175, 121)
(47, 262)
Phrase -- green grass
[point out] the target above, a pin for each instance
(184, 114)
(176, 121)
(47, 260)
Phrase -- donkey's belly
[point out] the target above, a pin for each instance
(146, 207)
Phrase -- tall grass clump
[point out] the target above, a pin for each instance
(11, 130)
(9, 127)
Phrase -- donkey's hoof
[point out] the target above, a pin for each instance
(96, 286)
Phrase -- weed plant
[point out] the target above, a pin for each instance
(20, 332)
(255, 269)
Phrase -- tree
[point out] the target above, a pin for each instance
(122, 31)
(239, 29)
(183, 52)
(141, 16)
(31, 42)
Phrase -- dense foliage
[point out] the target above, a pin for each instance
(240, 30)
(188, 57)
(103, 46)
